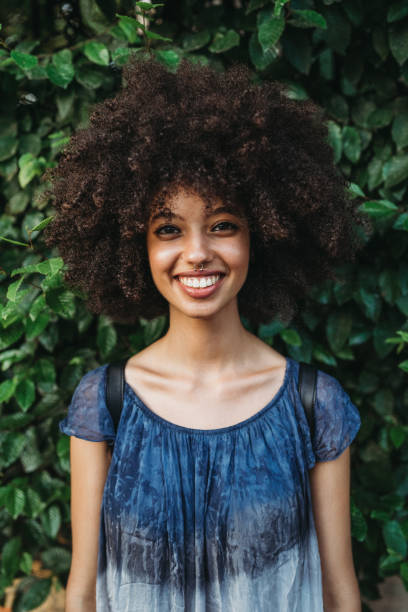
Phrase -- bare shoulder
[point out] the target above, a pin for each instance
(148, 360)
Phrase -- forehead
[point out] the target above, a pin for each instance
(185, 204)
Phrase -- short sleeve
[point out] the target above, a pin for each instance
(336, 419)
(88, 416)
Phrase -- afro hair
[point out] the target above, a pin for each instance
(225, 136)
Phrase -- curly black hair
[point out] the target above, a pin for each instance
(223, 135)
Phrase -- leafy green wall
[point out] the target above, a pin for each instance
(56, 59)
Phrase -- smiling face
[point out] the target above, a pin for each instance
(187, 235)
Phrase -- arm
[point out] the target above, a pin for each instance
(89, 467)
(330, 488)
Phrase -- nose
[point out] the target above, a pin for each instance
(197, 249)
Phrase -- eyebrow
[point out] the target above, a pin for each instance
(167, 214)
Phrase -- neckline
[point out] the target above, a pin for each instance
(193, 430)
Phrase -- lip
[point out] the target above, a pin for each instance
(201, 273)
(201, 292)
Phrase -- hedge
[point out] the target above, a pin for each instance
(56, 60)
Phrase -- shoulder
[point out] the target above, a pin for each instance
(337, 418)
(88, 416)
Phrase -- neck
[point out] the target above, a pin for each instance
(206, 347)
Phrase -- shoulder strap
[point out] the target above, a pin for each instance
(115, 384)
(307, 390)
(114, 390)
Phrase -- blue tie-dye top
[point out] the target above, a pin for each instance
(211, 520)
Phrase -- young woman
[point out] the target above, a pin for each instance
(209, 197)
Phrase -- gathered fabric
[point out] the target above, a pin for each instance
(213, 520)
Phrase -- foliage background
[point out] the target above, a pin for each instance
(56, 59)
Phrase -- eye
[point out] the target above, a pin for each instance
(159, 231)
(228, 223)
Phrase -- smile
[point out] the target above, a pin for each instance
(202, 286)
(203, 281)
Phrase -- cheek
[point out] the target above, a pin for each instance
(160, 258)
(237, 253)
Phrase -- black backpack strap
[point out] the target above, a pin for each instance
(114, 390)
(307, 390)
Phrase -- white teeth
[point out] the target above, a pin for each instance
(203, 281)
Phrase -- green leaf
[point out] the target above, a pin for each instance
(51, 521)
(61, 71)
(358, 523)
(389, 285)
(89, 78)
(30, 143)
(404, 365)
(50, 267)
(25, 61)
(129, 27)
(42, 224)
(8, 147)
(31, 458)
(169, 57)
(259, 58)
(394, 538)
(335, 140)
(63, 452)
(57, 559)
(106, 338)
(397, 11)
(26, 563)
(153, 328)
(404, 574)
(31, 593)
(34, 504)
(326, 64)
(14, 502)
(35, 327)
(7, 390)
(351, 143)
(379, 208)
(291, 336)
(120, 55)
(62, 302)
(389, 564)
(399, 129)
(96, 52)
(279, 4)
(30, 167)
(308, 19)
(294, 90)
(155, 36)
(398, 41)
(380, 118)
(45, 374)
(7, 337)
(10, 557)
(395, 170)
(401, 223)
(13, 289)
(338, 328)
(192, 41)
(374, 172)
(356, 191)
(92, 16)
(270, 31)
(397, 435)
(25, 394)
(224, 41)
